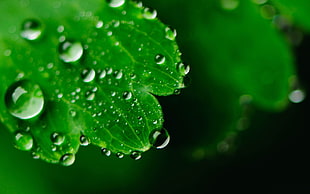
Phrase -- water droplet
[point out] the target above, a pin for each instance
(159, 138)
(72, 113)
(118, 74)
(88, 75)
(24, 99)
(170, 34)
(229, 4)
(177, 92)
(90, 95)
(102, 74)
(149, 14)
(297, 96)
(119, 155)
(127, 95)
(60, 29)
(23, 141)
(31, 29)
(84, 141)
(115, 3)
(70, 51)
(183, 69)
(136, 155)
(160, 59)
(35, 155)
(105, 151)
(99, 24)
(57, 138)
(67, 159)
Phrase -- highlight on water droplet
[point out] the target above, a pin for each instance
(116, 3)
(88, 75)
(159, 59)
(23, 141)
(70, 51)
(57, 138)
(149, 14)
(297, 96)
(119, 155)
(67, 159)
(136, 155)
(183, 69)
(84, 141)
(170, 34)
(24, 99)
(105, 151)
(229, 4)
(31, 29)
(159, 138)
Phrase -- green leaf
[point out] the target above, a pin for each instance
(80, 72)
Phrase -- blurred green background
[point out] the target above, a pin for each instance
(231, 53)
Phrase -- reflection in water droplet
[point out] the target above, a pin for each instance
(297, 96)
(57, 138)
(84, 141)
(105, 151)
(184, 70)
(127, 95)
(159, 138)
(160, 59)
(170, 34)
(23, 141)
(229, 4)
(119, 155)
(115, 3)
(31, 29)
(67, 159)
(88, 75)
(24, 99)
(136, 155)
(149, 13)
(70, 51)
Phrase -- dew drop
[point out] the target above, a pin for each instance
(115, 3)
(57, 138)
(127, 95)
(118, 74)
(84, 141)
(229, 4)
(23, 141)
(177, 92)
(67, 159)
(160, 59)
(170, 34)
(136, 155)
(297, 96)
(99, 24)
(183, 69)
(72, 113)
(88, 75)
(159, 138)
(119, 155)
(35, 155)
(24, 99)
(149, 13)
(70, 51)
(90, 96)
(102, 74)
(31, 29)
(105, 151)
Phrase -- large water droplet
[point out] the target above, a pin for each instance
(24, 99)
(159, 138)
(160, 59)
(57, 138)
(136, 155)
(23, 141)
(170, 34)
(149, 14)
(31, 29)
(67, 159)
(70, 51)
(183, 69)
(84, 141)
(115, 3)
(88, 75)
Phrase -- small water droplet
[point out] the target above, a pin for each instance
(60, 29)
(119, 155)
(88, 75)
(67, 159)
(24, 99)
(297, 96)
(159, 138)
(115, 3)
(35, 155)
(136, 155)
(118, 74)
(160, 59)
(170, 34)
(102, 74)
(70, 51)
(90, 95)
(127, 95)
(105, 151)
(31, 29)
(177, 92)
(229, 4)
(72, 113)
(149, 14)
(99, 24)
(184, 70)
(57, 138)
(84, 141)
(23, 141)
